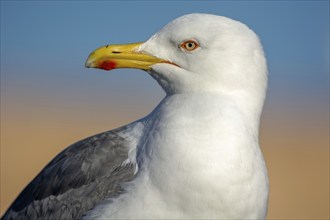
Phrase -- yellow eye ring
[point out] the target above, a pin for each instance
(189, 45)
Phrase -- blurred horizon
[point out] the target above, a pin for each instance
(49, 100)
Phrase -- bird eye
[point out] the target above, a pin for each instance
(189, 45)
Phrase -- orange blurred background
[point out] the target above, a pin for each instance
(295, 146)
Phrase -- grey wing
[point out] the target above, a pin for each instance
(80, 177)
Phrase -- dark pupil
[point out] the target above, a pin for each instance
(190, 45)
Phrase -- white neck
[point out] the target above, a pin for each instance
(215, 127)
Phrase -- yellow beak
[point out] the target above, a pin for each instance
(121, 56)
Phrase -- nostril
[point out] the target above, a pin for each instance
(116, 52)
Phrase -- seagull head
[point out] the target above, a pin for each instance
(194, 53)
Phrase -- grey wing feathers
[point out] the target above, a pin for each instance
(78, 178)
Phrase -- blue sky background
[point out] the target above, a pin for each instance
(44, 44)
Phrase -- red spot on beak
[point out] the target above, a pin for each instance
(107, 65)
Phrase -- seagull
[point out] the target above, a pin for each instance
(195, 156)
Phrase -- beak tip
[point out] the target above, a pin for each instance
(89, 61)
(88, 64)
